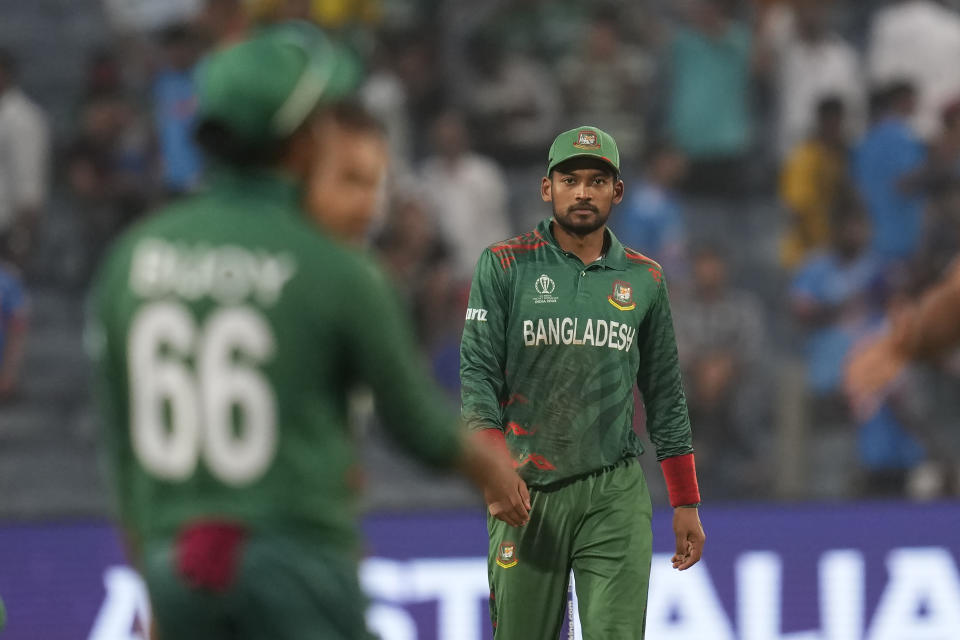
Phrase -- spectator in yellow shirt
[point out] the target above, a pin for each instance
(814, 181)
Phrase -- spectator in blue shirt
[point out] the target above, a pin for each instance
(13, 323)
(834, 295)
(887, 166)
(175, 106)
(895, 437)
(651, 218)
(839, 295)
(709, 116)
(886, 447)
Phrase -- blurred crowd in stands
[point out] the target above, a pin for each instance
(794, 165)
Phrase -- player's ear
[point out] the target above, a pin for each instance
(617, 191)
(546, 189)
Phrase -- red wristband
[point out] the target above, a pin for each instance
(680, 472)
(495, 438)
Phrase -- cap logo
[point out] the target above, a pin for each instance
(587, 140)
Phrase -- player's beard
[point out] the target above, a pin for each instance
(581, 219)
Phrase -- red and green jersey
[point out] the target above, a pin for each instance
(552, 349)
(228, 332)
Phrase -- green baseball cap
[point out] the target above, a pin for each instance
(263, 88)
(584, 142)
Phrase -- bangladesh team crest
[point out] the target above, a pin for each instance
(507, 555)
(622, 296)
(587, 140)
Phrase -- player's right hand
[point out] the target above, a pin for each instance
(491, 469)
(507, 497)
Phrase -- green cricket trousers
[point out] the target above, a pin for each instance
(286, 589)
(597, 525)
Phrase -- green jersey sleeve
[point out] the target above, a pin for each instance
(658, 379)
(483, 349)
(414, 410)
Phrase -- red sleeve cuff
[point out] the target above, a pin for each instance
(680, 472)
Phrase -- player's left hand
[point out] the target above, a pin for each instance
(690, 537)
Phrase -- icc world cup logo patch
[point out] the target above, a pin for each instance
(622, 296)
(507, 555)
(544, 286)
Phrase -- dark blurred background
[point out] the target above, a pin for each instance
(794, 166)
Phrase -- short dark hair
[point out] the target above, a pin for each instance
(216, 139)
(352, 115)
(219, 141)
(599, 164)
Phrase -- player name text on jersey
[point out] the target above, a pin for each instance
(598, 333)
(229, 274)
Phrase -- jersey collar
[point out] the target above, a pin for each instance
(615, 257)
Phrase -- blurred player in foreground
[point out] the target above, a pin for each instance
(228, 331)
(925, 330)
(346, 189)
(562, 322)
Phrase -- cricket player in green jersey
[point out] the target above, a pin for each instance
(562, 322)
(228, 330)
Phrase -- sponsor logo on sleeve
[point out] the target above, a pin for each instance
(480, 315)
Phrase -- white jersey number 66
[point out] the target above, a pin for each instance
(181, 413)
